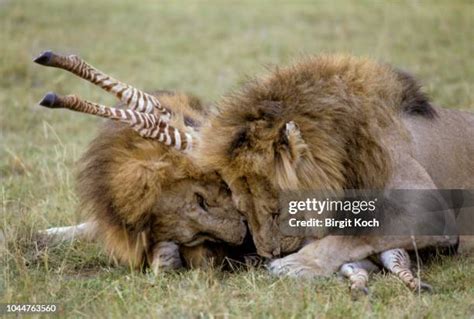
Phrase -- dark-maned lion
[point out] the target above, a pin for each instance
(333, 123)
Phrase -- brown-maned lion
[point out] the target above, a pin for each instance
(333, 123)
(143, 197)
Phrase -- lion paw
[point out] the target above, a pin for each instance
(166, 257)
(295, 266)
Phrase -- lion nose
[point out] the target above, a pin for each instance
(245, 228)
(276, 252)
(275, 213)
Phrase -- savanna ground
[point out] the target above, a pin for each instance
(207, 48)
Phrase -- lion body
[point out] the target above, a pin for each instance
(444, 146)
(359, 125)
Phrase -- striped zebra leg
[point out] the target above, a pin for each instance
(358, 275)
(398, 262)
(147, 125)
(135, 99)
(254, 261)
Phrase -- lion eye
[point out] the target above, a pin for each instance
(225, 189)
(201, 201)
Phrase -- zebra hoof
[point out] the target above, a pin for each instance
(424, 287)
(49, 100)
(359, 292)
(44, 58)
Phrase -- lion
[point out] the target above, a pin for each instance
(333, 122)
(145, 198)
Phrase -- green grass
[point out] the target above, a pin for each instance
(206, 48)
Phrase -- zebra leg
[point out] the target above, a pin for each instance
(165, 257)
(69, 233)
(254, 261)
(147, 125)
(397, 261)
(358, 275)
(132, 97)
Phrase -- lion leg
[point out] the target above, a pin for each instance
(358, 275)
(325, 256)
(165, 257)
(397, 261)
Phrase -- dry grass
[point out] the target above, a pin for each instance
(206, 48)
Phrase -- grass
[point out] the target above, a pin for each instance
(205, 47)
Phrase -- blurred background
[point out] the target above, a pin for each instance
(207, 48)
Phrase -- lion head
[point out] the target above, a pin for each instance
(141, 192)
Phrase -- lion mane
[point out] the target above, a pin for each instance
(121, 177)
(351, 99)
(315, 125)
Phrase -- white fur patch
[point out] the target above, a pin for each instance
(68, 233)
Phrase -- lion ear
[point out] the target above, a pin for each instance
(290, 150)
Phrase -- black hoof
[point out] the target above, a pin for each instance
(425, 288)
(49, 100)
(358, 293)
(44, 58)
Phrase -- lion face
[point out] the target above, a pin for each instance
(256, 196)
(193, 211)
